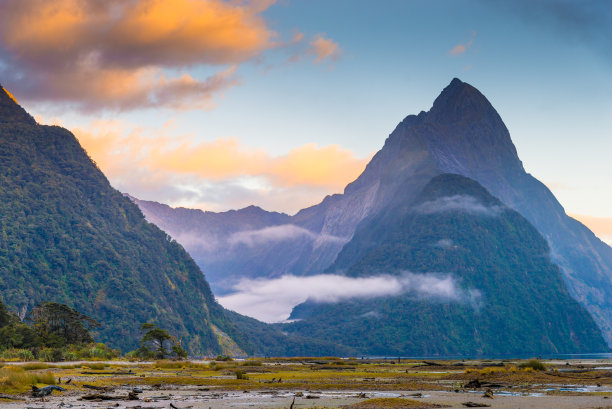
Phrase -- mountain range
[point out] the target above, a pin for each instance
(461, 134)
(482, 258)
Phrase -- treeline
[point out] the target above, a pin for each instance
(50, 332)
(54, 332)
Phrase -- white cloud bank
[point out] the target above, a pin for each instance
(278, 233)
(462, 203)
(272, 300)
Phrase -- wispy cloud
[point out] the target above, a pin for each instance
(324, 49)
(319, 48)
(445, 244)
(277, 234)
(179, 171)
(460, 49)
(272, 300)
(461, 203)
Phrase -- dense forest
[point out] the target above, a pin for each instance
(67, 236)
(508, 297)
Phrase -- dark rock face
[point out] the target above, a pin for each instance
(461, 134)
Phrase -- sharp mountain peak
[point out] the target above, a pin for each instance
(458, 99)
(463, 130)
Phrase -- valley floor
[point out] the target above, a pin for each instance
(310, 383)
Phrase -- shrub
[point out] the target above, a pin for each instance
(179, 351)
(141, 353)
(169, 364)
(223, 358)
(96, 351)
(534, 364)
(241, 375)
(18, 355)
(51, 355)
(71, 356)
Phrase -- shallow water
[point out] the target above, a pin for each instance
(601, 355)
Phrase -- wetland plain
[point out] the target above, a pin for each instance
(311, 383)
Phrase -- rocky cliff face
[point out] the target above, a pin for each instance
(462, 134)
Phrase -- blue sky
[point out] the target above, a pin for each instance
(546, 67)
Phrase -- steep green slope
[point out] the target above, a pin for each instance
(492, 288)
(66, 235)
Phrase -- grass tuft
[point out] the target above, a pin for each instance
(167, 364)
(251, 362)
(534, 364)
(14, 379)
(241, 375)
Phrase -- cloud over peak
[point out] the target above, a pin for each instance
(458, 203)
(277, 234)
(271, 300)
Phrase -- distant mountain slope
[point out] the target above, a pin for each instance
(463, 134)
(222, 243)
(490, 287)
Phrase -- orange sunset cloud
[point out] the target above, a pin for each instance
(460, 49)
(323, 48)
(125, 55)
(114, 53)
(133, 161)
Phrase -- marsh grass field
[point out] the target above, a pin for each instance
(311, 383)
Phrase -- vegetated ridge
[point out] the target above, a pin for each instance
(492, 288)
(67, 236)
